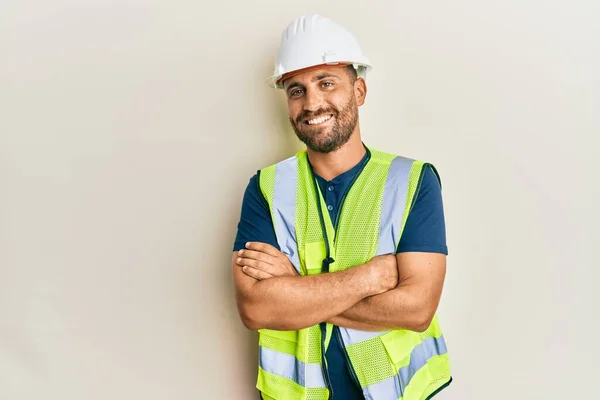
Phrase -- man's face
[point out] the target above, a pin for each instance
(323, 106)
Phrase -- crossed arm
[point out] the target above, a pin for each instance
(401, 291)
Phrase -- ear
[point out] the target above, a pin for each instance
(360, 91)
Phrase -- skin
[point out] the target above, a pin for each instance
(389, 291)
(325, 92)
(270, 295)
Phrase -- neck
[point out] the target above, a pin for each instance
(330, 165)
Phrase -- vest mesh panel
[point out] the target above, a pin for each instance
(267, 184)
(311, 244)
(357, 225)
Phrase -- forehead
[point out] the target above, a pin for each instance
(316, 75)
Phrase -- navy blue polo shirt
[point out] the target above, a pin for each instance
(425, 231)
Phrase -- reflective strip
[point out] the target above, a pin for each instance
(352, 336)
(308, 375)
(394, 204)
(393, 388)
(284, 208)
(388, 389)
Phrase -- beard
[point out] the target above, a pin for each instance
(329, 138)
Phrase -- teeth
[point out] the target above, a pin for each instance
(319, 120)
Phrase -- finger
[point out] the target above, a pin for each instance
(256, 255)
(256, 273)
(254, 264)
(263, 247)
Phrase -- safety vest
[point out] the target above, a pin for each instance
(388, 365)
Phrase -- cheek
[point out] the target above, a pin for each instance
(293, 111)
(340, 99)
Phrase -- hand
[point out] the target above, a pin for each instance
(384, 271)
(261, 261)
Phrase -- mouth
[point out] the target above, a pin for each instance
(319, 120)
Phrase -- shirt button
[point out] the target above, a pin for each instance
(330, 207)
(330, 188)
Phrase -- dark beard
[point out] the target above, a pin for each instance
(337, 135)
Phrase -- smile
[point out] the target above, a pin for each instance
(320, 120)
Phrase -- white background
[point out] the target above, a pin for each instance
(128, 133)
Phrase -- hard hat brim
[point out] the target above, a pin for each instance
(276, 81)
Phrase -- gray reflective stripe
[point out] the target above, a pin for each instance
(388, 389)
(352, 336)
(393, 388)
(394, 201)
(286, 365)
(284, 208)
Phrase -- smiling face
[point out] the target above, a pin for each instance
(323, 106)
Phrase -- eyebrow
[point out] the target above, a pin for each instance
(323, 76)
(316, 78)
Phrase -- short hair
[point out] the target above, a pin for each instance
(351, 71)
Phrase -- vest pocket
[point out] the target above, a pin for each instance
(279, 340)
(399, 345)
(314, 253)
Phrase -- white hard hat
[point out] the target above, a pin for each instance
(313, 40)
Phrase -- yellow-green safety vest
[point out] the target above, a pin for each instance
(388, 365)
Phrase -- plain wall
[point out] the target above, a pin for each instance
(130, 129)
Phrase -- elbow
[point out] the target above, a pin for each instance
(422, 321)
(251, 325)
(254, 322)
(256, 318)
(420, 326)
(251, 318)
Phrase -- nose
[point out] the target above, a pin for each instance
(313, 100)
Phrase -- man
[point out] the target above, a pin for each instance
(340, 255)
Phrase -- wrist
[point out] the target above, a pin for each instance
(370, 280)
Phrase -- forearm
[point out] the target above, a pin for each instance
(341, 320)
(296, 302)
(395, 309)
(410, 305)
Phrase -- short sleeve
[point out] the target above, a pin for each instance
(425, 229)
(255, 223)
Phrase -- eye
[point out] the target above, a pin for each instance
(296, 93)
(327, 84)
